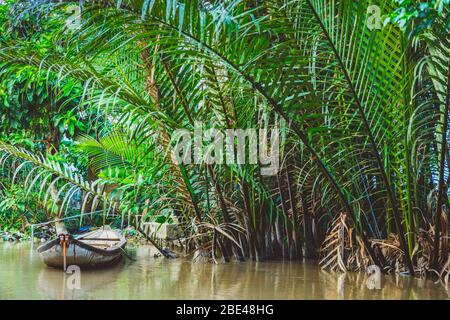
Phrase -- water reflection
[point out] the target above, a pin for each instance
(23, 276)
(56, 284)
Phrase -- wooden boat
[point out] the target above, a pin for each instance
(100, 248)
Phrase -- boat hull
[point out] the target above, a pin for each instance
(80, 254)
(101, 248)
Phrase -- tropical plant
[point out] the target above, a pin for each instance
(363, 113)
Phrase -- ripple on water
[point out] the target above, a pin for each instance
(24, 276)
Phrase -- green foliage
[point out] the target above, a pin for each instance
(14, 201)
(17, 209)
(420, 16)
(31, 99)
(364, 116)
(36, 110)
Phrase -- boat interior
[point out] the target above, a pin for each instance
(102, 238)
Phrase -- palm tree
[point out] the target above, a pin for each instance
(365, 118)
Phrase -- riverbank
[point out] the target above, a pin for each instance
(48, 232)
(24, 276)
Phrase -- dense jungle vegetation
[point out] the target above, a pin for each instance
(358, 89)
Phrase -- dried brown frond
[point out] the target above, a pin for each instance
(342, 250)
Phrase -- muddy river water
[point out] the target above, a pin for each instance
(24, 276)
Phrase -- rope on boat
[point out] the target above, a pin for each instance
(64, 257)
(127, 255)
(63, 241)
